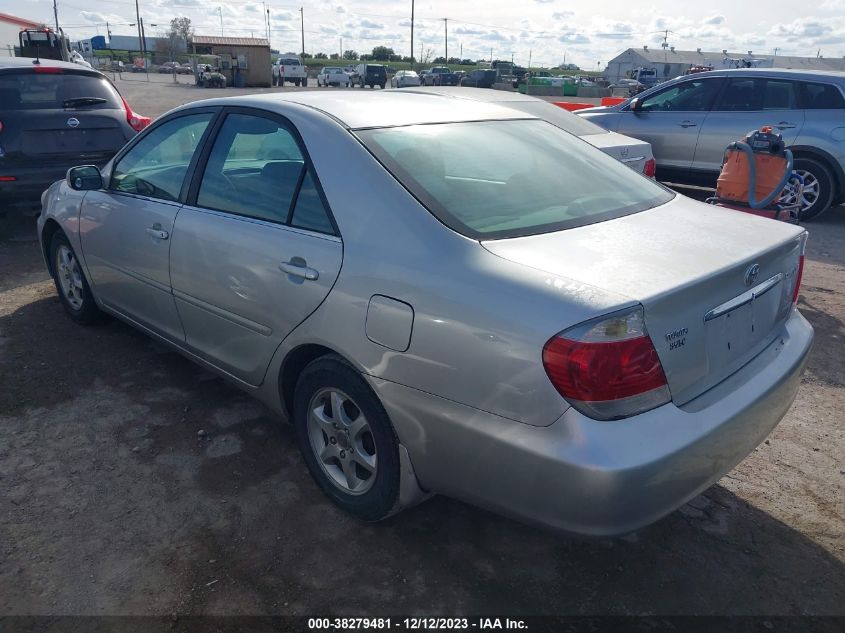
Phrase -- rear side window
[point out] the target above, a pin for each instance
(257, 169)
(45, 91)
(822, 97)
(746, 94)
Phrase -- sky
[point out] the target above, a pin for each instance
(544, 32)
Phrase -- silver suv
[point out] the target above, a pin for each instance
(690, 120)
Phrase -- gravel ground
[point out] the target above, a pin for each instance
(134, 482)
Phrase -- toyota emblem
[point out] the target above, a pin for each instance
(751, 274)
(73, 121)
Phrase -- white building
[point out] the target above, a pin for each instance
(669, 62)
(10, 26)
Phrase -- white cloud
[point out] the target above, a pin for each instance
(369, 24)
(716, 19)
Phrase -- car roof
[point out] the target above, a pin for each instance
(388, 108)
(29, 62)
(797, 73)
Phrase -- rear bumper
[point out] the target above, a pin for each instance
(599, 478)
(30, 182)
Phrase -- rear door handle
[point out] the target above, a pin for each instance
(687, 124)
(157, 232)
(296, 267)
(785, 125)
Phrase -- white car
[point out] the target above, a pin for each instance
(404, 79)
(332, 76)
(633, 152)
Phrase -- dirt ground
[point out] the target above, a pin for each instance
(113, 502)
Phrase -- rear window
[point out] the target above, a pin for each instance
(498, 179)
(41, 91)
(376, 70)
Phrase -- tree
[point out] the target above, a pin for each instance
(382, 53)
(439, 60)
(426, 56)
(321, 56)
(350, 55)
(334, 56)
(181, 27)
(454, 60)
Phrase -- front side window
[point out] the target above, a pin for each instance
(686, 96)
(156, 165)
(496, 179)
(257, 169)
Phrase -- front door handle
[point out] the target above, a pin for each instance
(785, 125)
(687, 124)
(296, 267)
(157, 232)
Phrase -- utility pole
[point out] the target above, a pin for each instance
(462, 50)
(446, 33)
(138, 22)
(412, 34)
(302, 26)
(56, 15)
(529, 59)
(341, 48)
(220, 11)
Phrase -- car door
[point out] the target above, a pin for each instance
(670, 119)
(747, 103)
(126, 229)
(256, 250)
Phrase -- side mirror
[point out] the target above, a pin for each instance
(636, 105)
(84, 178)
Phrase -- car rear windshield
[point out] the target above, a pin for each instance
(376, 70)
(555, 115)
(42, 91)
(498, 179)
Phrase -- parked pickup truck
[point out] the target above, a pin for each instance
(289, 69)
(441, 76)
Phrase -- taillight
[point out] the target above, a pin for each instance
(650, 168)
(48, 70)
(607, 368)
(1, 126)
(136, 121)
(799, 272)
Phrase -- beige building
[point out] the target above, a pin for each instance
(245, 61)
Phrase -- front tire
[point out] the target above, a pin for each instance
(346, 439)
(71, 285)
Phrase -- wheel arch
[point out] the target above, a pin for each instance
(294, 362)
(836, 170)
(51, 226)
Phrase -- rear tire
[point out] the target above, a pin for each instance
(819, 189)
(346, 439)
(71, 285)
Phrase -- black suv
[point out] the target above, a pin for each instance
(371, 75)
(54, 115)
(481, 78)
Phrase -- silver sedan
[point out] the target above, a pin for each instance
(394, 274)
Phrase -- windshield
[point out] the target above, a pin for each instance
(497, 179)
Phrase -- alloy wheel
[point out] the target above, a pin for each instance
(809, 195)
(342, 441)
(70, 277)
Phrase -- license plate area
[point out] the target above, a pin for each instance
(740, 325)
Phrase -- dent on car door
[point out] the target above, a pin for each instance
(255, 251)
(126, 229)
(671, 119)
(745, 104)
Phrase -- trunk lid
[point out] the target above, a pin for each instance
(627, 150)
(716, 285)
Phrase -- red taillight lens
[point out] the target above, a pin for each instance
(136, 121)
(1, 126)
(8, 178)
(607, 369)
(799, 273)
(650, 168)
(48, 70)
